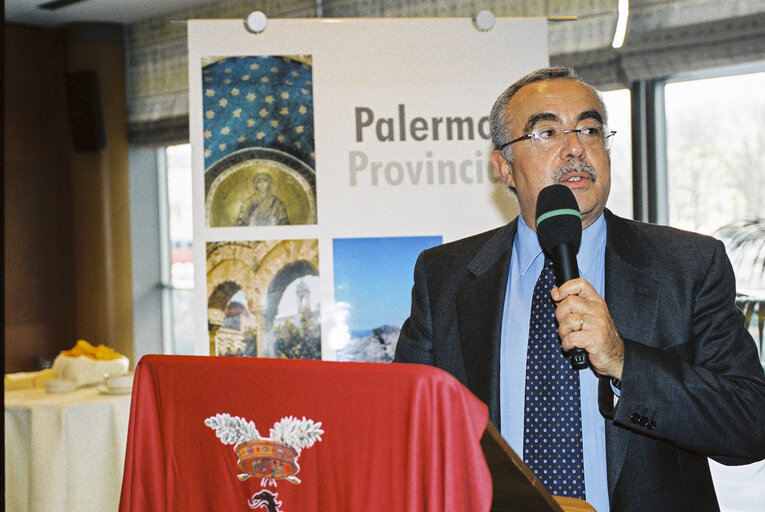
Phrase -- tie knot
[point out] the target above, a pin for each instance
(547, 275)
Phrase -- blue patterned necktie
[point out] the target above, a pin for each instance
(552, 440)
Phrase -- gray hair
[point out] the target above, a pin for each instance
(499, 118)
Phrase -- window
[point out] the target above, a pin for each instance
(177, 260)
(715, 151)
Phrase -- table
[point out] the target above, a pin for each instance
(66, 451)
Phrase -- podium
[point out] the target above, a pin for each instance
(514, 485)
(229, 433)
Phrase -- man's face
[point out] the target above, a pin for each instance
(567, 103)
(261, 186)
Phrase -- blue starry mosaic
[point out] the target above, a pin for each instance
(258, 101)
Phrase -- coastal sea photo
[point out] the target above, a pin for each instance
(373, 287)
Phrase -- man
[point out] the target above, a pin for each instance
(263, 208)
(674, 376)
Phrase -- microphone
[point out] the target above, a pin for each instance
(559, 228)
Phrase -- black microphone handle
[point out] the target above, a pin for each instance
(565, 269)
(564, 263)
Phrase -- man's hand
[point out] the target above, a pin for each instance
(584, 322)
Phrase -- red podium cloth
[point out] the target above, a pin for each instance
(394, 437)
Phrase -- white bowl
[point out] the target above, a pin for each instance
(85, 371)
(119, 382)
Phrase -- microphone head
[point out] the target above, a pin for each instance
(558, 218)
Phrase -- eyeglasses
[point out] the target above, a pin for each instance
(551, 137)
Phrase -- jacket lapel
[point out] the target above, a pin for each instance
(480, 305)
(631, 292)
(632, 298)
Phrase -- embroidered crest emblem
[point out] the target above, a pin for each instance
(268, 458)
(265, 498)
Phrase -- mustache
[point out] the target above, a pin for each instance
(573, 166)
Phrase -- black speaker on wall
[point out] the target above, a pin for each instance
(85, 111)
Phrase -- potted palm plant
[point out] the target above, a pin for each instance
(745, 243)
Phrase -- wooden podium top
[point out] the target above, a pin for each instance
(515, 486)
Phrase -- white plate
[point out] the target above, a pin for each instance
(60, 386)
(114, 391)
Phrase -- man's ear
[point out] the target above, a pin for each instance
(503, 168)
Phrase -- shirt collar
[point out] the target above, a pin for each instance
(527, 248)
(593, 245)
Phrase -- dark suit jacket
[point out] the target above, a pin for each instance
(692, 384)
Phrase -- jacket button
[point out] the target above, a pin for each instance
(651, 425)
(643, 421)
(635, 418)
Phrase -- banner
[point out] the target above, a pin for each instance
(326, 154)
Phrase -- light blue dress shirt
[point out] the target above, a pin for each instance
(526, 264)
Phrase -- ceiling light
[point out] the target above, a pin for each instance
(623, 10)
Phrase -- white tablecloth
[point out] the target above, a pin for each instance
(64, 452)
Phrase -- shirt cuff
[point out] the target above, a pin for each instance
(616, 386)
